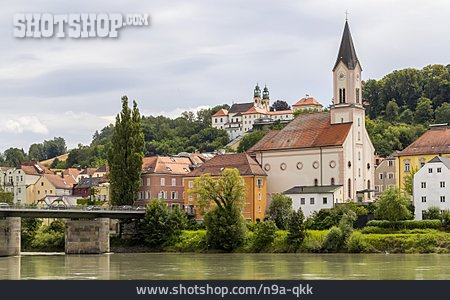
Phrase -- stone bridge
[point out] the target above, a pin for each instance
(86, 231)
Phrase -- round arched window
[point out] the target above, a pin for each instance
(299, 165)
(315, 164)
(283, 166)
(267, 167)
(332, 164)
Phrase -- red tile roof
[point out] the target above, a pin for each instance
(305, 131)
(166, 165)
(88, 171)
(255, 110)
(59, 182)
(434, 141)
(34, 168)
(220, 113)
(241, 161)
(307, 101)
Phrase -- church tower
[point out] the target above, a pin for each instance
(347, 94)
(257, 100)
(266, 99)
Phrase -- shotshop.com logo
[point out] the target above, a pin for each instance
(33, 25)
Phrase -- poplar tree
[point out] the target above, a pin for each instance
(125, 155)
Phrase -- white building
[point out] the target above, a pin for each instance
(311, 199)
(431, 186)
(325, 148)
(242, 116)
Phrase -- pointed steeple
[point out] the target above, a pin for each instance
(347, 53)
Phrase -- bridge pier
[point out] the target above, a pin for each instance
(87, 236)
(9, 236)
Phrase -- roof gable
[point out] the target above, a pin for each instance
(434, 141)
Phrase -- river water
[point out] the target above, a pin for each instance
(226, 266)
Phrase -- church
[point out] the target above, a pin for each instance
(320, 159)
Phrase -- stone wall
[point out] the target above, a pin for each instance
(87, 236)
(9, 236)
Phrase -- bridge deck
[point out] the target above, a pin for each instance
(71, 213)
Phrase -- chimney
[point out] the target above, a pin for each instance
(442, 126)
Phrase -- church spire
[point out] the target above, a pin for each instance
(347, 53)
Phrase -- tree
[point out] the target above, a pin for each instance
(280, 209)
(424, 111)
(125, 155)
(442, 113)
(13, 156)
(280, 105)
(224, 222)
(250, 139)
(296, 229)
(391, 112)
(55, 147)
(36, 152)
(406, 116)
(160, 225)
(392, 206)
(265, 233)
(6, 197)
(408, 181)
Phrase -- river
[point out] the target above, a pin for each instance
(226, 266)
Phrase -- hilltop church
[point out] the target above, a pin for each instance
(324, 158)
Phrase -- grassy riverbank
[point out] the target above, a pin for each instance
(402, 241)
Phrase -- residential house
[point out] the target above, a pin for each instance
(434, 142)
(53, 185)
(98, 186)
(86, 173)
(329, 148)
(101, 171)
(312, 199)
(254, 181)
(431, 186)
(385, 175)
(74, 172)
(162, 178)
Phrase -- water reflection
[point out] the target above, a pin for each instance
(226, 266)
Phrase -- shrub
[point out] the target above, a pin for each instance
(160, 225)
(381, 230)
(406, 224)
(49, 237)
(356, 243)
(446, 219)
(191, 241)
(251, 226)
(29, 228)
(333, 240)
(346, 224)
(327, 218)
(296, 230)
(279, 210)
(393, 206)
(225, 228)
(432, 213)
(264, 235)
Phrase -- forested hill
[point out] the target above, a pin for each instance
(403, 103)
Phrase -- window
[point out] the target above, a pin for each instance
(316, 182)
(359, 172)
(357, 95)
(332, 181)
(430, 170)
(424, 199)
(174, 195)
(325, 200)
(215, 120)
(42, 183)
(407, 166)
(439, 170)
(381, 176)
(302, 201)
(190, 197)
(190, 184)
(20, 190)
(390, 163)
(259, 209)
(423, 185)
(359, 122)
(359, 154)
(259, 196)
(359, 136)
(349, 188)
(391, 175)
(51, 191)
(311, 200)
(174, 181)
(163, 182)
(442, 184)
(442, 198)
(422, 162)
(259, 182)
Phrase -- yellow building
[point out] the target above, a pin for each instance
(52, 185)
(254, 181)
(436, 141)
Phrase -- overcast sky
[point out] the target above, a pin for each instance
(196, 54)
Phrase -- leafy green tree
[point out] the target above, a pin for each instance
(296, 229)
(125, 155)
(424, 111)
(36, 152)
(55, 147)
(406, 116)
(442, 113)
(392, 206)
(280, 209)
(29, 227)
(224, 222)
(408, 181)
(391, 112)
(161, 226)
(250, 139)
(13, 156)
(6, 197)
(265, 233)
(279, 105)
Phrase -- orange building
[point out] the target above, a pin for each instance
(254, 182)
